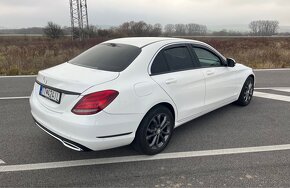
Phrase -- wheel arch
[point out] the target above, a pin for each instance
(137, 142)
(252, 76)
(165, 104)
(246, 77)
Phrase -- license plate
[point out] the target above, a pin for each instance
(50, 94)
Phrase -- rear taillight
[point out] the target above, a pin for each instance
(94, 102)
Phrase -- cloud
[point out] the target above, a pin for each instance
(28, 13)
(25, 13)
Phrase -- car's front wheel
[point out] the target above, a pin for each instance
(246, 93)
(155, 131)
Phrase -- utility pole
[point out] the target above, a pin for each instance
(79, 19)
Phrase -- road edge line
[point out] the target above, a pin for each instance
(278, 69)
(140, 158)
(12, 98)
(19, 76)
(272, 96)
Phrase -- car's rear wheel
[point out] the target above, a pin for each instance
(246, 94)
(155, 131)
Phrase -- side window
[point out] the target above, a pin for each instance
(178, 58)
(159, 64)
(206, 58)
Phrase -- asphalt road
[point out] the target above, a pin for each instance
(265, 122)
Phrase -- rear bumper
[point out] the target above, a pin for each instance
(68, 143)
(84, 133)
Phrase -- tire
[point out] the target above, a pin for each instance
(247, 91)
(154, 131)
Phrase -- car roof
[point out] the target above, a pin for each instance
(145, 41)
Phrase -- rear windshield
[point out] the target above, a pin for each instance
(107, 57)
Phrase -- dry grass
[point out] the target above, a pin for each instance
(28, 55)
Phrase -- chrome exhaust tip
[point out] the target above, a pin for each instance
(71, 146)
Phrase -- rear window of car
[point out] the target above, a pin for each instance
(108, 57)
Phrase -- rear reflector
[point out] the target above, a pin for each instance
(94, 102)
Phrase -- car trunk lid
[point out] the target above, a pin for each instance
(70, 81)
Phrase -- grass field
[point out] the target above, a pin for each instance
(28, 55)
(258, 52)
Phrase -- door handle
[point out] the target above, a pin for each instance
(209, 72)
(171, 81)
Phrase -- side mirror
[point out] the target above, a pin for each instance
(231, 62)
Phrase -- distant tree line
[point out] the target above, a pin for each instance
(190, 29)
(264, 27)
(141, 28)
(138, 29)
(132, 29)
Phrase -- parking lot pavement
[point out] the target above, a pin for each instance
(16, 86)
(273, 78)
(264, 123)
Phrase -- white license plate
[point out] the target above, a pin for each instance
(50, 94)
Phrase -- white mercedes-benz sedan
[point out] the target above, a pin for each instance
(135, 90)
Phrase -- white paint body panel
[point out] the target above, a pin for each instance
(186, 89)
(191, 93)
(221, 84)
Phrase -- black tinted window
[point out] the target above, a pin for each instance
(159, 64)
(178, 58)
(108, 57)
(206, 58)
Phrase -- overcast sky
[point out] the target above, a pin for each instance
(29, 13)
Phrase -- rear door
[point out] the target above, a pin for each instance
(220, 79)
(174, 69)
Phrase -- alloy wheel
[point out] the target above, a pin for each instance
(249, 90)
(158, 131)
